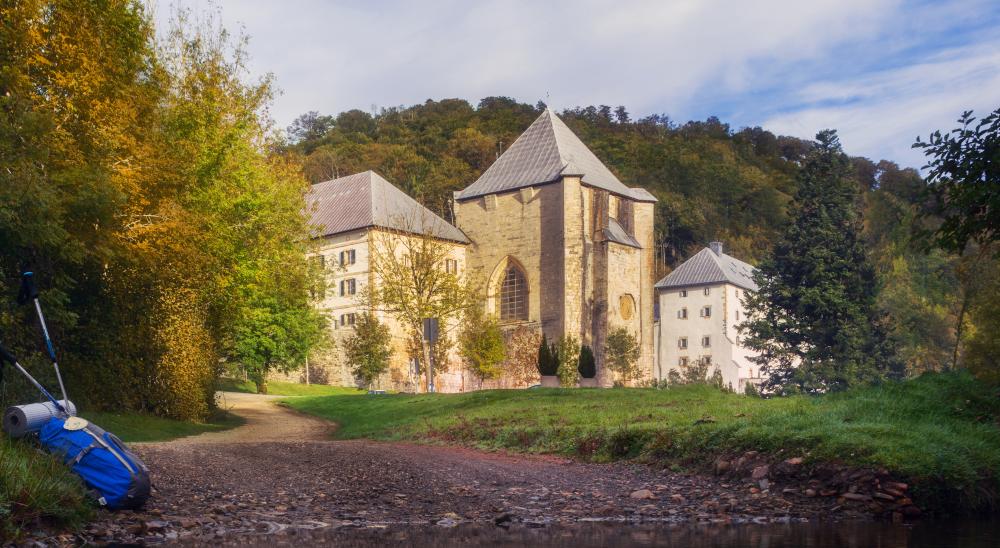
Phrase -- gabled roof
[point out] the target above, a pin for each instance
(546, 151)
(640, 194)
(367, 200)
(617, 233)
(708, 267)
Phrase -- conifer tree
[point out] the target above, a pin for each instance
(816, 327)
(547, 364)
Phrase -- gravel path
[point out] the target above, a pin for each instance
(265, 422)
(281, 473)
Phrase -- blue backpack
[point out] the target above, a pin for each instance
(116, 477)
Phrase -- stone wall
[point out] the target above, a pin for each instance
(525, 226)
(642, 228)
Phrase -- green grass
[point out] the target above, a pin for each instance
(276, 388)
(939, 429)
(36, 488)
(135, 427)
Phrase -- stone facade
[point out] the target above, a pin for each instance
(578, 279)
(347, 259)
(556, 243)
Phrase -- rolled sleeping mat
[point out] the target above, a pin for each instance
(19, 420)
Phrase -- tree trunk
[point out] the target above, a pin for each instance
(959, 328)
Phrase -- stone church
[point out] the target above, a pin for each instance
(559, 243)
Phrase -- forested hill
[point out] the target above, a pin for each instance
(712, 182)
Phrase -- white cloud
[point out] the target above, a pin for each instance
(880, 115)
(679, 57)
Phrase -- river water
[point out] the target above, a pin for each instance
(929, 534)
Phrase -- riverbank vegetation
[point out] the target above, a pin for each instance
(36, 490)
(939, 430)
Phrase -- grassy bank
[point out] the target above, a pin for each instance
(37, 490)
(275, 388)
(940, 429)
(134, 427)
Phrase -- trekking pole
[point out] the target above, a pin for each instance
(6, 355)
(30, 292)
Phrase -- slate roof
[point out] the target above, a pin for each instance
(365, 200)
(640, 194)
(546, 151)
(707, 267)
(617, 233)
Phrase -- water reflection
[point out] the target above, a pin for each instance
(938, 534)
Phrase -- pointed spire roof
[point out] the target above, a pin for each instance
(367, 200)
(709, 267)
(546, 151)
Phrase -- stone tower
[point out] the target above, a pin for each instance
(561, 244)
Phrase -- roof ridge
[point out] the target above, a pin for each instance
(543, 153)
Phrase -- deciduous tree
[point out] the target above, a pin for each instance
(368, 349)
(481, 345)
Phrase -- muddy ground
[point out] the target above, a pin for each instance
(281, 473)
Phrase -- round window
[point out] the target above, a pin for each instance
(626, 306)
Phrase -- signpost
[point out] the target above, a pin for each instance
(430, 337)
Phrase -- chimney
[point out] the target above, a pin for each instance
(716, 247)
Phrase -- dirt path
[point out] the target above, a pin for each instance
(281, 473)
(265, 422)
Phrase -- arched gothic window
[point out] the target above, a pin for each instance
(513, 294)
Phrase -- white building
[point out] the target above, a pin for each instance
(700, 305)
(352, 216)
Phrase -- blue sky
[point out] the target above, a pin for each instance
(881, 72)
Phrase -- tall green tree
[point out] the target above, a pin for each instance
(815, 324)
